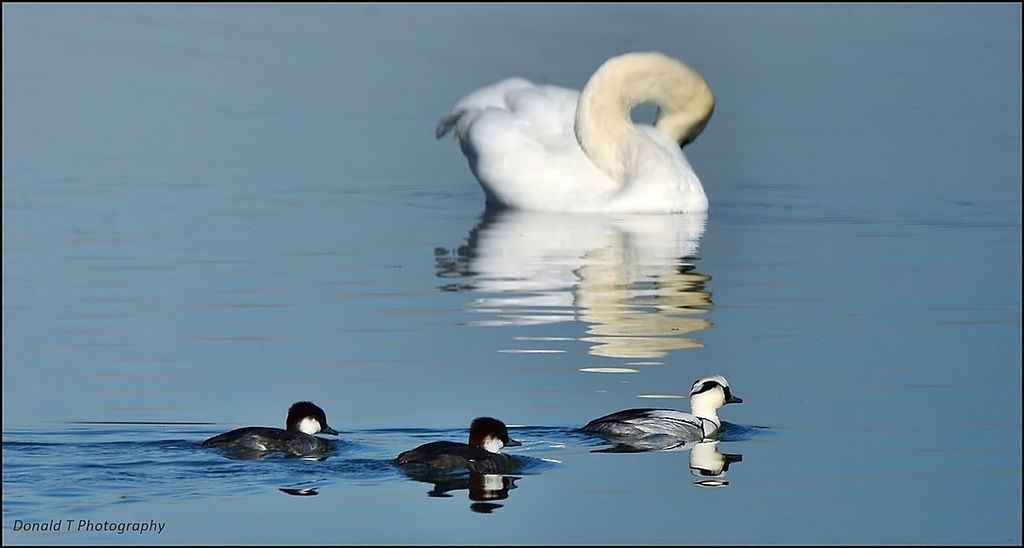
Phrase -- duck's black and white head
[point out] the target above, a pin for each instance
(308, 418)
(708, 394)
(490, 434)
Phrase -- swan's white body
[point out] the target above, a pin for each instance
(548, 148)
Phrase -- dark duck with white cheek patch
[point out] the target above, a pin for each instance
(304, 420)
(487, 436)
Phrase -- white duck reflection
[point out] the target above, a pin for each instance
(706, 461)
(627, 276)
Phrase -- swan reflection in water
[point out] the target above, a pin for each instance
(629, 277)
(483, 489)
(706, 461)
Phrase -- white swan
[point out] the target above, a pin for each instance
(548, 148)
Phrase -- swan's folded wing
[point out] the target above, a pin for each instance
(521, 144)
(493, 96)
(465, 111)
(513, 152)
(528, 134)
(502, 144)
(546, 113)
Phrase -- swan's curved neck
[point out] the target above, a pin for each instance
(604, 128)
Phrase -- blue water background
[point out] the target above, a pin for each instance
(213, 211)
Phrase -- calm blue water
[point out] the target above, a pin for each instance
(213, 211)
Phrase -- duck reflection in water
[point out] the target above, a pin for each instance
(483, 489)
(706, 461)
(300, 492)
(629, 277)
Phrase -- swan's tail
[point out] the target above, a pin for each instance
(447, 123)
